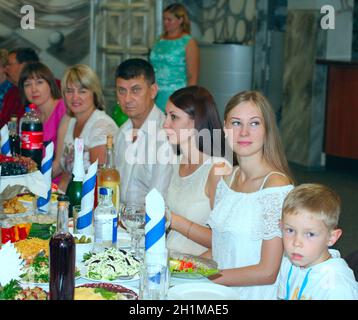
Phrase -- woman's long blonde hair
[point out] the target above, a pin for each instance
(273, 151)
(179, 11)
(83, 76)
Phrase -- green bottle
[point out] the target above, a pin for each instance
(74, 188)
(119, 116)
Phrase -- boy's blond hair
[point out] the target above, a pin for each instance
(320, 201)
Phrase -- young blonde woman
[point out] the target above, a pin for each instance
(86, 119)
(244, 233)
(175, 55)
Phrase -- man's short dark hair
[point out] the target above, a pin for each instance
(134, 68)
(25, 55)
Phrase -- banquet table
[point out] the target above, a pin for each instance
(123, 242)
(184, 288)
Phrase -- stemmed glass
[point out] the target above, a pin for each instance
(133, 219)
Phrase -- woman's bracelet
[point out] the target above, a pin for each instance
(189, 228)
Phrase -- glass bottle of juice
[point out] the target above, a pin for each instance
(108, 175)
(62, 256)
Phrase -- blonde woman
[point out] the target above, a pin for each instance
(175, 55)
(86, 118)
(244, 234)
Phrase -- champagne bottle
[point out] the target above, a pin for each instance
(62, 257)
(119, 116)
(74, 188)
(108, 175)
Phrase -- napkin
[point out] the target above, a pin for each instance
(33, 181)
(155, 247)
(5, 142)
(85, 216)
(46, 169)
(10, 262)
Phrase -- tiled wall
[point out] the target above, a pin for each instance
(222, 21)
(61, 34)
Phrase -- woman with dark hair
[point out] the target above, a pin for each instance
(193, 125)
(37, 85)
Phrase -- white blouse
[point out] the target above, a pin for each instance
(186, 197)
(94, 133)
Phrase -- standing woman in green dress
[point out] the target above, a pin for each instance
(175, 55)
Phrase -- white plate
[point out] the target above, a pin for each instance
(118, 281)
(201, 291)
(43, 285)
(15, 215)
(31, 285)
(82, 269)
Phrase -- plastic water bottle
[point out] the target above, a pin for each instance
(105, 221)
(32, 135)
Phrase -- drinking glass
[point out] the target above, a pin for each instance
(152, 282)
(75, 211)
(133, 219)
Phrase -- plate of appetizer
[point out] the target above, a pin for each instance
(190, 266)
(104, 291)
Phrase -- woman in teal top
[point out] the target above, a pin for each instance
(175, 55)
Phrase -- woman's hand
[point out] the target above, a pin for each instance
(99, 153)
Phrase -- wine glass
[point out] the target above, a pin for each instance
(133, 219)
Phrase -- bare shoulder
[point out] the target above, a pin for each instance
(277, 180)
(192, 43)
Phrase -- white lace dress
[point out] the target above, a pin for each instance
(240, 222)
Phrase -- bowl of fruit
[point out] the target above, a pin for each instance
(19, 165)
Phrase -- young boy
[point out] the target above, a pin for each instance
(309, 270)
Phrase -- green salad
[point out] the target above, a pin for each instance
(39, 270)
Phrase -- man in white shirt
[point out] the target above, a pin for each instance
(142, 152)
